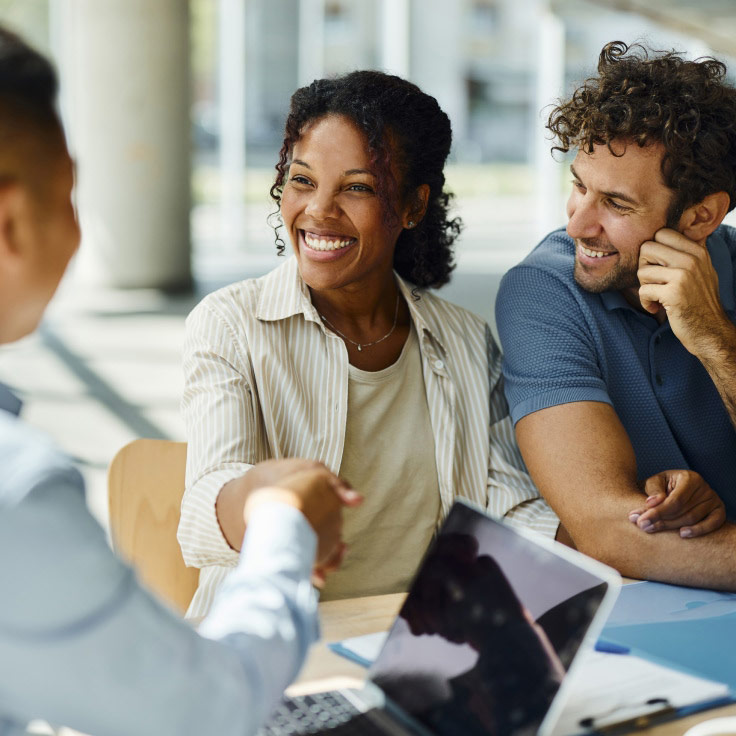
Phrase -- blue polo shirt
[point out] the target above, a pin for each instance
(563, 344)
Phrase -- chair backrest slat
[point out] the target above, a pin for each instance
(145, 488)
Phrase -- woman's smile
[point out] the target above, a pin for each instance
(329, 242)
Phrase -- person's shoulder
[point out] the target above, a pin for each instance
(28, 458)
(547, 270)
(554, 254)
(238, 296)
(239, 302)
(728, 234)
(447, 315)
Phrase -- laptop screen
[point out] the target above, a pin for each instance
(488, 630)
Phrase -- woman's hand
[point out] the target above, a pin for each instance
(320, 495)
(233, 495)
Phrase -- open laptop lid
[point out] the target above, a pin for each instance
(490, 628)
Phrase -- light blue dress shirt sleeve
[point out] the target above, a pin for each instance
(83, 645)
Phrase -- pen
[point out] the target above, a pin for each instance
(624, 726)
(610, 648)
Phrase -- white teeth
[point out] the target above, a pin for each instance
(319, 244)
(593, 253)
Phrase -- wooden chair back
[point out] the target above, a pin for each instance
(145, 484)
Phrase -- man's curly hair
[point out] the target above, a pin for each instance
(399, 121)
(650, 97)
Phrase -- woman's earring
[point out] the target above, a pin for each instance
(410, 224)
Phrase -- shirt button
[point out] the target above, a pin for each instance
(658, 379)
(438, 365)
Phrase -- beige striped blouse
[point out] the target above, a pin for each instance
(265, 379)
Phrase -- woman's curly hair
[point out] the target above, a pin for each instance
(658, 97)
(399, 121)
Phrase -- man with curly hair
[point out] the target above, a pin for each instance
(619, 335)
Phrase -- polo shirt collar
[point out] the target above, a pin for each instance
(9, 401)
(720, 256)
(284, 294)
(615, 300)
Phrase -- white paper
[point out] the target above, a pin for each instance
(613, 687)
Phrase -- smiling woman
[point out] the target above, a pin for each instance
(343, 240)
(342, 357)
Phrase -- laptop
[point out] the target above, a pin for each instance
(483, 644)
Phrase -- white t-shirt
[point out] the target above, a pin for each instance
(389, 457)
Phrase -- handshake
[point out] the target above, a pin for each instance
(313, 489)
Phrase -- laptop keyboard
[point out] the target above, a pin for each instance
(328, 712)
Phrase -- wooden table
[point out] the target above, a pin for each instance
(356, 616)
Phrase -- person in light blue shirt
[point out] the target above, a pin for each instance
(82, 644)
(619, 335)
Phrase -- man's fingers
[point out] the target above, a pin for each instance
(658, 275)
(674, 508)
(654, 500)
(331, 563)
(661, 525)
(689, 505)
(713, 521)
(335, 558)
(691, 518)
(651, 297)
(636, 514)
(656, 489)
(656, 485)
(659, 256)
(318, 578)
(673, 239)
(684, 496)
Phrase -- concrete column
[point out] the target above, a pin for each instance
(125, 78)
(437, 59)
(549, 88)
(231, 75)
(311, 41)
(394, 35)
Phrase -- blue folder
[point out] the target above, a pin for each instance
(690, 629)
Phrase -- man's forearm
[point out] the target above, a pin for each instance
(582, 462)
(720, 363)
(708, 561)
(602, 530)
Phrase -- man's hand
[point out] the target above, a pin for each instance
(271, 472)
(676, 275)
(234, 494)
(679, 499)
(320, 495)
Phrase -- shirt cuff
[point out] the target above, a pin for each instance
(278, 539)
(555, 398)
(200, 536)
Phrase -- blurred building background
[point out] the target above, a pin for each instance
(174, 110)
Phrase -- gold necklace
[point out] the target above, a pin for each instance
(362, 345)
